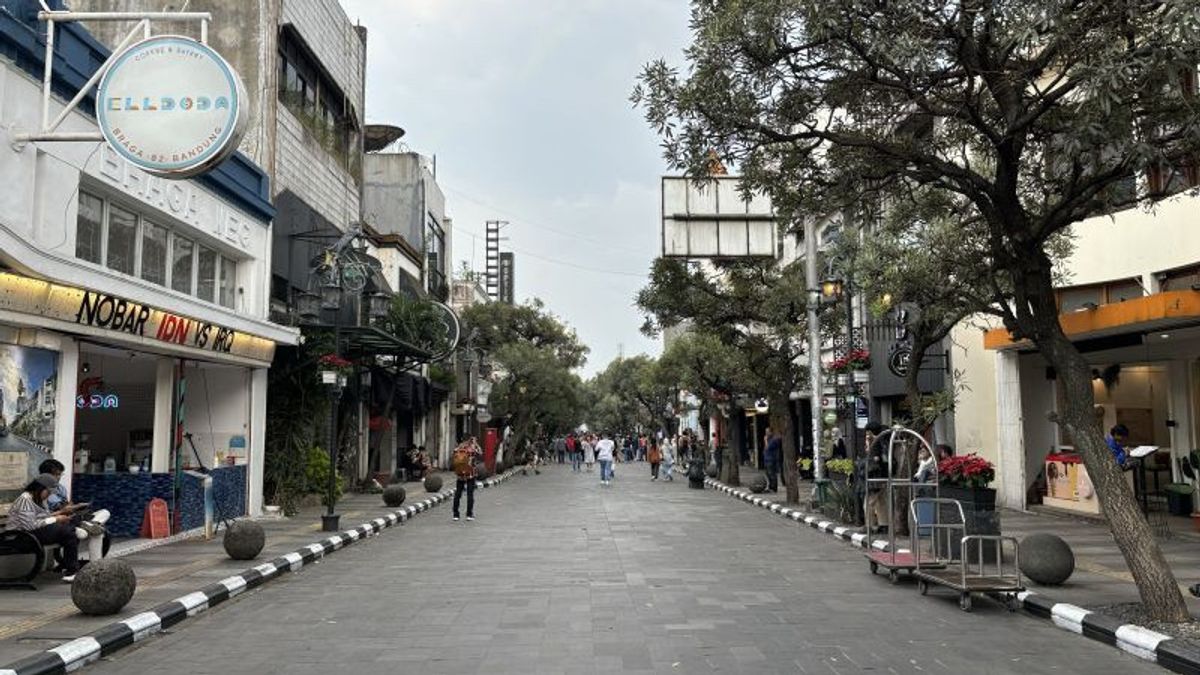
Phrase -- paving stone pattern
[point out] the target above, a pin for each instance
(561, 575)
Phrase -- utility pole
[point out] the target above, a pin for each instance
(814, 346)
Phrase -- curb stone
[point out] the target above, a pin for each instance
(81, 651)
(1131, 638)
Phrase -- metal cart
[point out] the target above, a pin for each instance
(939, 561)
(893, 558)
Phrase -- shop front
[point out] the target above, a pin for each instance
(134, 338)
(1144, 356)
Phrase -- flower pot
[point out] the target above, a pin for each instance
(979, 512)
(972, 499)
(862, 376)
(843, 379)
(1179, 503)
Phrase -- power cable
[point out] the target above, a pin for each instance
(516, 219)
(554, 261)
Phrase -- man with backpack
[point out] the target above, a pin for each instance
(463, 460)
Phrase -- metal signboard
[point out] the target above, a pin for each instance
(172, 106)
(710, 219)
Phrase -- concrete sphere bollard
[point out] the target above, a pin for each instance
(393, 495)
(433, 483)
(1046, 559)
(758, 484)
(244, 540)
(103, 587)
(711, 471)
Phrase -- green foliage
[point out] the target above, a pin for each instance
(418, 322)
(443, 375)
(316, 476)
(842, 466)
(297, 408)
(493, 325)
(632, 391)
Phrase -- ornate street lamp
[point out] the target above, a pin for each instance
(378, 306)
(331, 296)
(308, 306)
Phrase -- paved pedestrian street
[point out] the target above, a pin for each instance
(561, 575)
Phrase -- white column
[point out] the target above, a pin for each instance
(256, 443)
(64, 405)
(164, 424)
(1179, 402)
(1010, 430)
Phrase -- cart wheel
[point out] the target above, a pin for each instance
(893, 576)
(964, 602)
(874, 567)
(922, 586)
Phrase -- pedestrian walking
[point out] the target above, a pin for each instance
(463, 461)
(654, 456)
(560, 449)
(574, 451)
(668, 458)
(772, 456)
(589, 451)
(604, 455)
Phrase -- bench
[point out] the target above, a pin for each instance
(23, 557)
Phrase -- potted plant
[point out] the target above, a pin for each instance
(966, 479)
(859, 362)
(1179, 498)
(841, 368)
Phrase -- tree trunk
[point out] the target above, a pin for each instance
(730, 466)
(781, 419)
(1037, 317)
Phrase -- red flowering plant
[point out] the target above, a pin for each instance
(857, 359)
(338, 364)
(966, 471)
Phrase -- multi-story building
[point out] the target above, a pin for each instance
(404, 211)
(121, 286)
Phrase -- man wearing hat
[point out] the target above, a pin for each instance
(29, 513)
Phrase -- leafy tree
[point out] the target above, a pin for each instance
(495, 324)
(754, 306)
(635, 393)
(1027, 116)
(536, 388)
(714, 372)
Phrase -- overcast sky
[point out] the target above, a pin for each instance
(525, 105)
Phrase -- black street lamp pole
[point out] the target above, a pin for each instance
(329, 521)
(852, 399)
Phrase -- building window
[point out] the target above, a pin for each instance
(121, 253)
(316, 100)
(89, 235)
(228, 287)
(1085, 297)
(206, 274)
(154, 253)
(435, 253)
(183, 254)
(120, 240)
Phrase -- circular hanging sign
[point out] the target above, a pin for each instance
(171, 106)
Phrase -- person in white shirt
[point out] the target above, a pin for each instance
(604, 455)
(668, 458)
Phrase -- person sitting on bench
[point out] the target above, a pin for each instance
(29, 513)
(88, 525)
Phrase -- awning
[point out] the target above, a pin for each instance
(1170, 309)
(372, 341)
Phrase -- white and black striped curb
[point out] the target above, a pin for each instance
(1142, 642)
(116, 636)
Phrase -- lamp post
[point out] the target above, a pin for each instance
(333, 382)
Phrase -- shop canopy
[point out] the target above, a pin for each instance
(1170, 309)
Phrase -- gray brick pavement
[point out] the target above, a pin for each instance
(560, 575)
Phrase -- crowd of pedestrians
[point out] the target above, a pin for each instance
(587, 450)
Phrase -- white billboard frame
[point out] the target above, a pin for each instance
(709, 218)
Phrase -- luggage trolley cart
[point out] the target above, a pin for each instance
(938, 561)
(893, 558)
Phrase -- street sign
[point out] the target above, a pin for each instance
(860, 413)
(172, 106)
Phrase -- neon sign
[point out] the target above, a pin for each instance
(97, 402)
